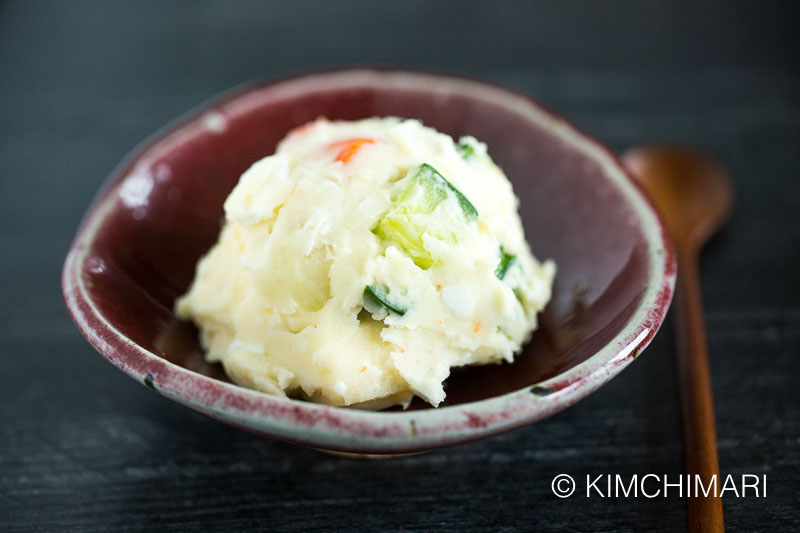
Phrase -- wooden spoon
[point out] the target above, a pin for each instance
(695, 195)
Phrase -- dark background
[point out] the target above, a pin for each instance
(82, 447)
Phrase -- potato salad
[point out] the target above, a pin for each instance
(362, 261)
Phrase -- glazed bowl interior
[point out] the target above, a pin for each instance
(168, 213)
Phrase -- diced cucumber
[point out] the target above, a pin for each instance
(435, 189)
(465, 149)
(397, 228)
(426, 188)
(506, 261)
(470, 149)
(376, 298)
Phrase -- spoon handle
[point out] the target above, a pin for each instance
(697, 403)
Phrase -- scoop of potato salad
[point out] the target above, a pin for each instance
(362, 261)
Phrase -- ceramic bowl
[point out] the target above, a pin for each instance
(161, 209)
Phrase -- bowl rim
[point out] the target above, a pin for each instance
(351, 430)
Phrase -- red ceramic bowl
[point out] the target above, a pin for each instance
(137, 246)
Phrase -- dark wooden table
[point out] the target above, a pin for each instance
(82, 447)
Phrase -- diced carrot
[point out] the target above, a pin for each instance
(363, 368)
(441, 322)
(347, 149)
(477, 326)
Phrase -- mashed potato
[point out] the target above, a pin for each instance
(362, 261)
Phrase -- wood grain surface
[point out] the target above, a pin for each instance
(84, 448)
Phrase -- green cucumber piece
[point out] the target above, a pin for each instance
(434, 188)
(376, 297)
(470, 213)
(408, 236)
(507, 260)
(466, 150)
(426, 189)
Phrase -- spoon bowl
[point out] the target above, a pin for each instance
(692, 190)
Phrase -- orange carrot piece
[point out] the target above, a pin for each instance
(363, 369)
(347, 149)
(477, 327)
